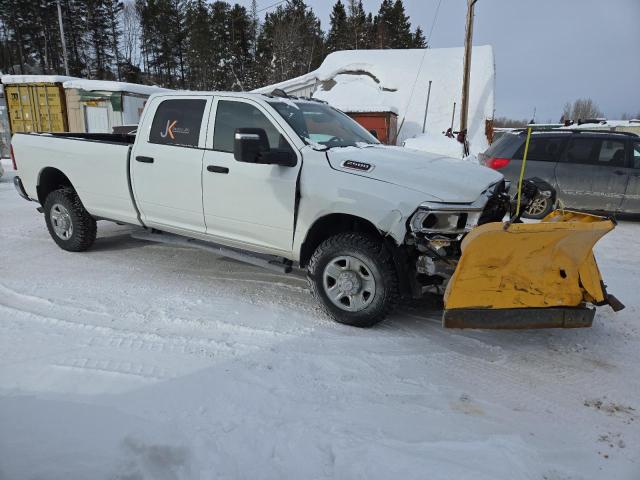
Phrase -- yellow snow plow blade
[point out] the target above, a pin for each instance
(529, 275)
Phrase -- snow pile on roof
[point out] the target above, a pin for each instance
(355, 93)
(435, 143)
(13, 79)
(84, 84)
(397, 80)
(109, 86)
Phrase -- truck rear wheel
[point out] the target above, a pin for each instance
(69, 224)
(353, 277)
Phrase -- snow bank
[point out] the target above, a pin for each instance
(435, 143)
(372, 80)
(109, 86)
(12, 79)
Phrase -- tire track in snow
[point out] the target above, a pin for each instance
(48, 309)
(115, 367)
(135, 339)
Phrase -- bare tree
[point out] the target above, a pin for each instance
(505, 122)
(581, 109)
(130, 33)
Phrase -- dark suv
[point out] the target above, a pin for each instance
(594, 171)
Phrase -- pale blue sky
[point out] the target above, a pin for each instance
(547, 51)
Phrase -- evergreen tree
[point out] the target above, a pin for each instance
(220, 40)
(112, 9)
(190, 43)
(400, 32)
(290, 43)
(31, 36)
(239, 64)
(101, 55)
(339, 31)
(418, 39)
(370, 29)
(383, 25)
(198, 46)
(163, 39)
(74, 20)
(359, 26)
(178, 36)
(392, 26)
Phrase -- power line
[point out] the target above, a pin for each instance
(271, 6)
(433, 24)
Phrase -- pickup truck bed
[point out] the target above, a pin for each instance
(99, 175)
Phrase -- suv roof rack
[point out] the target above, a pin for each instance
(578, 130)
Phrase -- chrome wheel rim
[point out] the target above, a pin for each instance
(349, 284)
(61, 221)
(538, 206)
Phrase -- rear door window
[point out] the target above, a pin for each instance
(582, 150)
(542, 149)
(177, 122)
(612, 153)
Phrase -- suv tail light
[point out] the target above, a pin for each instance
(13, 158)
(497, 163)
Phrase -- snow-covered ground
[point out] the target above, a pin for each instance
(143, 361)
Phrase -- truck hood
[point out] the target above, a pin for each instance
(447, 179)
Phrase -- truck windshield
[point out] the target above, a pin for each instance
(320, 124)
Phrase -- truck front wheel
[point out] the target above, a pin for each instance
(69, 224)
(354, 278)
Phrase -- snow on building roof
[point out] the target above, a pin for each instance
(12, 79)
(372, 80)
(84, 84)
(110, 86)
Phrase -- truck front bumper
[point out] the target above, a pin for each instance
(20, 188)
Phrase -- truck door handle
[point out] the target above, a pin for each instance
(142, 159)
(619, 172)
(217, 169)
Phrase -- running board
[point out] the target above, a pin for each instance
(277, 264)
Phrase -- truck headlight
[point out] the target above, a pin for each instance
(445, 220)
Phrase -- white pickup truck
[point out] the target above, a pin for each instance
(277, 181)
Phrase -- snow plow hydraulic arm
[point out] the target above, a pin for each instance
(529, 275)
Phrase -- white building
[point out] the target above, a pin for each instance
(397, 81)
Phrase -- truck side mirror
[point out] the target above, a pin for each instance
(251, 145)
(374, 132)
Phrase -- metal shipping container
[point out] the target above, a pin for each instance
(36, 107)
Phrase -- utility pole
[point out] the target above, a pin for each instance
(64, 43)
(464, 108)
(426, 108)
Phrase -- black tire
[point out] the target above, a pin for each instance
(377, 259)
(539, 214)
(83, 226)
